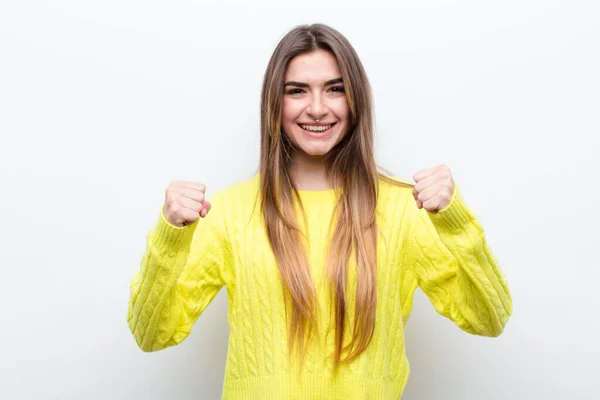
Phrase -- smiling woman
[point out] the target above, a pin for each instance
(315, 110)
(321, 253)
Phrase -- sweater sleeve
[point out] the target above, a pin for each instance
(181, 271)
(456, 269)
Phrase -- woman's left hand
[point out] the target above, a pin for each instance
(434, 188)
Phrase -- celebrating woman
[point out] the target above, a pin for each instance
(320, 252)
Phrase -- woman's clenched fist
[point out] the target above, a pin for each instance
(185, 202)
(434, 188)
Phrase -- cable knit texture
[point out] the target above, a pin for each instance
(183, 268)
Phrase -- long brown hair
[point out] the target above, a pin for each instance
(352, 166)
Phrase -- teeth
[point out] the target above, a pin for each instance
(313, 128)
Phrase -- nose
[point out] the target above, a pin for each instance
(316, 109)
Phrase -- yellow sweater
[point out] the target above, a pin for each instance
(183, 268)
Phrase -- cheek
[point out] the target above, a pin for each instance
(341, 110)
(290, 111)
(289, 114)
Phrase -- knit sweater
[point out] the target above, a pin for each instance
(183, 268)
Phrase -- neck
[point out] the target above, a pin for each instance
(310, 173)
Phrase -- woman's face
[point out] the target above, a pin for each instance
(313, 89)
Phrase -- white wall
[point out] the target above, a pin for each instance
(103, 103)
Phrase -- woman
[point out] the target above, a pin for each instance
(320, 253)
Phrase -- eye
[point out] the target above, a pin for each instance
(337, 89)
(295, 91)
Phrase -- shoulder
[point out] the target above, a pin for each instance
(394, 196)
(392, 186)
(239, 194)
(243, 187)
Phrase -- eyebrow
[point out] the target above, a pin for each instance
(305, 85)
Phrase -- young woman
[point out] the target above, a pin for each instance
(320, 253)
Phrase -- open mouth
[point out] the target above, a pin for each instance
(316, 129)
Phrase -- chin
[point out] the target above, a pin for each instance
(314, 147)
(314, 150)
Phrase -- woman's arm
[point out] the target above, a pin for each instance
(455, 267)
(182, 270)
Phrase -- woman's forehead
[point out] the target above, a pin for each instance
(317, 66)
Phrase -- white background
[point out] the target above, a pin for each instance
(103, 103)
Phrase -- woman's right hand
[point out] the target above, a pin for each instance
(185, 202)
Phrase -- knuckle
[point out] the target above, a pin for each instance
(173, 185)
